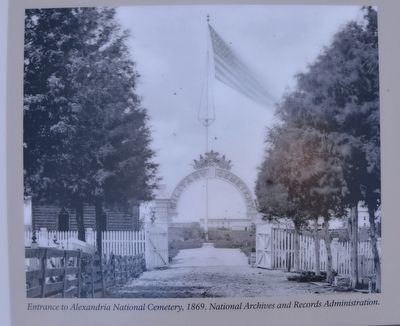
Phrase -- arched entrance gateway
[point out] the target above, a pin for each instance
(211, 165)
(162, 210)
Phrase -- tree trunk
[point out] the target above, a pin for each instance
(296, 266)
(328, 242)
(100, 223)
(78, 206)
(374, 246)
(353, 234)
(317, 249)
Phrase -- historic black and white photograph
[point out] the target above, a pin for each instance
(208, 151)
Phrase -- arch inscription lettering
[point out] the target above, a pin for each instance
(216, 173)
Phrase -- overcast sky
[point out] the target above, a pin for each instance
(169, 44)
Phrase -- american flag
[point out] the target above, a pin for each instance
(231, 71)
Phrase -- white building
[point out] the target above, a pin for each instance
(228, 223)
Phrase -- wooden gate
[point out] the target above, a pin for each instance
(156, 252)
(264, 246)
(275, 249)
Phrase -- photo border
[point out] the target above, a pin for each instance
(387, 312)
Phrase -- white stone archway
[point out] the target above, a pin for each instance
(213, 172)
(210, 166)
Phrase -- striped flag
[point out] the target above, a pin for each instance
(231, 71)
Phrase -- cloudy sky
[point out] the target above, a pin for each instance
(169, 46)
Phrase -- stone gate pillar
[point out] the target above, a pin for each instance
(156, 217)
(161, 212)
(157, 212)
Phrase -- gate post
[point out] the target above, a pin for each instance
(156, 232)
(156, 246)
(335, 254)
(43, 237)
(264, 246)
(161, 212)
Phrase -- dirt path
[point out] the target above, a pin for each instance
(212, 272)
(209, 256)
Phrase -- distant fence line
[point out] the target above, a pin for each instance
(283, 251)
(120, 243)
(133, 243)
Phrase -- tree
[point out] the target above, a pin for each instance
(86, 138)
(53, 44)
(334, 161)
(276, 182)
(308, 179)
(343, 87)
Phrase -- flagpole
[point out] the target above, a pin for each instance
(206, 217)
(223, 64)
(206, 114)
(206, 122)
(206, 133)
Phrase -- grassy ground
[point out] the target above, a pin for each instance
(243, 240)
(192, 236)
(188, 237)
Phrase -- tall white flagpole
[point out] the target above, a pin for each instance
(207, 119)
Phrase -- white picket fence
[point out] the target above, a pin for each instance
(122, 243)
(282, 251)
(59, 239)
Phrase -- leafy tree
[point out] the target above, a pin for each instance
(342, 91)
(307, 180)
(53, 40)
(335, 160)
(86, 138)
(276, 182)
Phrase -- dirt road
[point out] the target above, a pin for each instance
(212, 272)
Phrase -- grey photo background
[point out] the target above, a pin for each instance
(4, 276)
(86, 140)
(390, 117)
(169, 47)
